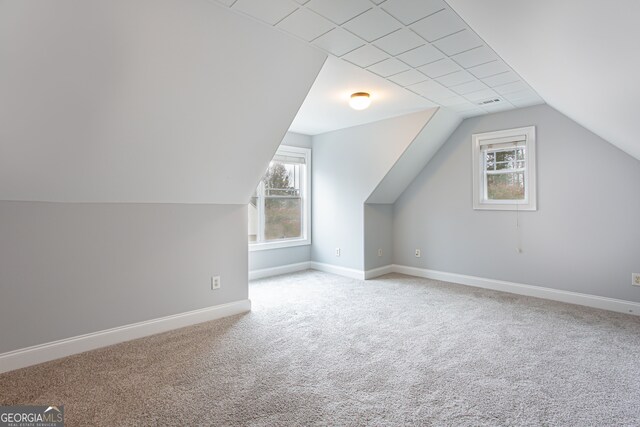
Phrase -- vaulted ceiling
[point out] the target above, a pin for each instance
(148, 101)
(420, 47)
(581, 56)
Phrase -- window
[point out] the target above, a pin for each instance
(504, 169)
(279, 214)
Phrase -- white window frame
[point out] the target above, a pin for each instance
(305, 187)
(480, 140)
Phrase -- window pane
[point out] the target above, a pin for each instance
(506, 186)
(505, 165)
(282, 179)
(283, 218)
(490, 161)
(505, 156)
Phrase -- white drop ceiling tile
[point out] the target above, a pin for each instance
(489, 69)
(421, 56)
(372, 25)
(481, 95)
(410, 11)
(305, 24)
(269, 11)
(521, 94)
(465, 106)
(501, 79)
(388, 67)
(527, 102)
(472, 86)
(458, 42)
(338, 42)
(439, 25)
(439, 68)
(419, 88)
(454, 101)
(365, 56)
(457, 78)
(339, 11)
(511, 87)
(432, 90)
(498, 106)
(399, 41)
(473, 57)
(408, 77)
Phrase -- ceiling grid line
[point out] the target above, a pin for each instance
(383, 29)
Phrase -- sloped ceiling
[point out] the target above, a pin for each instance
(145, 101)
(326, 107)
(417, 154)
(416, 50)
(581, 56)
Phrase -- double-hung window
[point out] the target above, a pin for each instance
(504, 170)
(279, 209)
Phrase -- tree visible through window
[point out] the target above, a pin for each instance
(278, 208)
(504, 174)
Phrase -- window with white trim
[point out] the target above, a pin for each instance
(279, 209)
(504, 169)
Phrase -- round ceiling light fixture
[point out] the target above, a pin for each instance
(360, 100)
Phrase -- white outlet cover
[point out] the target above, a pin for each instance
(215, 282)
(418, 253)
(635, 279)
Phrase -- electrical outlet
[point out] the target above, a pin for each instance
(418, 253)
(635, 279)
(215, 282)
(379, 251)
(337, 251)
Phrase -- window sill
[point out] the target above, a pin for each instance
(278, 245)
(504, 207)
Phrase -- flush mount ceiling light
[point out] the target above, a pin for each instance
(360, 100)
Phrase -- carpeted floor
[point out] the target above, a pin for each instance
(320, 349)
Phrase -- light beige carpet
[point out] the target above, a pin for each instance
(319, 349)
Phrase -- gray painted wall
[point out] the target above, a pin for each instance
(585, 236)
(297, 140)
(434, 134)
(270, 258)
(378, 234)
(69, 269)
(348, 164)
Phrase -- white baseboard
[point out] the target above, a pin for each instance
(24, 357)
(612, 304)
(376, 272)
(283, 269)
(605, 303)
(335, 269)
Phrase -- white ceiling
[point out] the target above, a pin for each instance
(581, 56)
(326, 107)
(421, 48)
